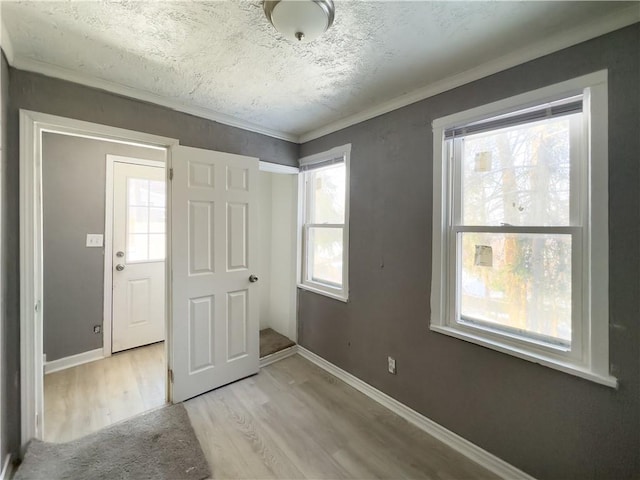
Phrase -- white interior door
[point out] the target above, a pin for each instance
(215, 329)
(139, 223)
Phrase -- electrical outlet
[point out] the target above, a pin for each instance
(392, 365)
(97, 328)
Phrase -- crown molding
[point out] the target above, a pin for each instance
(5, 42)
(139, 94)
(609, 23)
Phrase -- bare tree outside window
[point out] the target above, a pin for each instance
(518, 176)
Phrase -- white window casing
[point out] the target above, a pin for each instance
(309, 165)
(588, 353)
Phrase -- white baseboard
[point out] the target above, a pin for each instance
(7, 468)
(275, 357)
(73, 360)
(455, 441)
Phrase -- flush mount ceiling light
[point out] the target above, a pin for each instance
(300, 20)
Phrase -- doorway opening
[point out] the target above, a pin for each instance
(212, 298)
(104, 247)
(278, 220)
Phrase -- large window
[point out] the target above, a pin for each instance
(520, 227)
(324, 195)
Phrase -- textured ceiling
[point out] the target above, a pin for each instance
(226, 57)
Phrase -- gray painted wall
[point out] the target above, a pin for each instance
(73, 192)
(6, 378)
(549, 424)
(32, 91)
(43, 94)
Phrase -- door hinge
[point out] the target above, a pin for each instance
(171, 174)
(171, 375)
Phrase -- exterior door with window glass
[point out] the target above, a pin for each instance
(139, 219)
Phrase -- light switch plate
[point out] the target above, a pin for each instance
(95, 240)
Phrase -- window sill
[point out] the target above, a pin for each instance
(335, 296)
(566, 367)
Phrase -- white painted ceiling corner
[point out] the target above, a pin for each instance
(5, 41)
(565, 39)
(355, 72)
(62, 73)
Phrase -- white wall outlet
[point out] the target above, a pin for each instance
(95, 240)
(392, 365)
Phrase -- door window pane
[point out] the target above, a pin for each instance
(157, 195)
(157, 220)
(137, 191)
(325, 255)
(156, 247)
(137, 247)
(521, 282)
(518, 175)
(146, 220)
(138, 219)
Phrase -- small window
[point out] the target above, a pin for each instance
(520, 227)
(324, 195)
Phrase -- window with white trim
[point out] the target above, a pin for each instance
(324, 202)
(520, 242)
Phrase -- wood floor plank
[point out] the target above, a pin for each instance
(83, 399)
(294, 420)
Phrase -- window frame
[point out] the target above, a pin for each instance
(588, 356)
(304, 203)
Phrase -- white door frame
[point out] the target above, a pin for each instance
(107, 316)
(32, 126)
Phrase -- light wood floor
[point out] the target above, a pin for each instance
(294, 420)
(83, 399)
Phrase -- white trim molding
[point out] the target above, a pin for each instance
(614, 21)
(277, 168)
(73, 361)
(277, 356)
(565, 39)
(465, 447)
(587, 356)
(5, 42)
(31, 344)
(61, 73)
(32, 126)
(7, 468)
(308, 166)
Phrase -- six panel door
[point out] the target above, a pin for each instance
(214, 247)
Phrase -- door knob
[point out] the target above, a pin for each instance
(253, 279)
(119, 254)
(119, 267)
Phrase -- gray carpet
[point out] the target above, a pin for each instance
(158, 445)
(272, 342)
